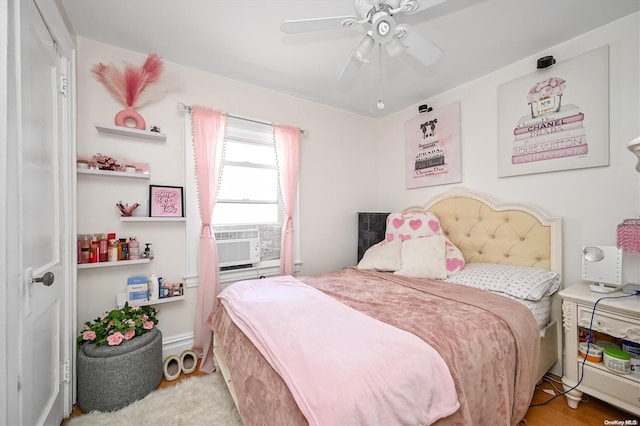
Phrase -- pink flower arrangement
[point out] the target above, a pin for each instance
(118, 325)
(104, 162)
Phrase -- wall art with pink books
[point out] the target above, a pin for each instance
(432, 149)
(556, 118)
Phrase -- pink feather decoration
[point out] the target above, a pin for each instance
(128, 85)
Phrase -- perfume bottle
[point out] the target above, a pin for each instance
(95, 249)
(113, 250)
(134, 248)
(103, 248)
(85, 248)
(148, 253)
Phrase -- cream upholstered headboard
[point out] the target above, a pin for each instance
(516, 234)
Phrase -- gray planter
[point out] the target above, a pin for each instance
(112, 377)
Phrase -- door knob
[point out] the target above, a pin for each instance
(47, 279)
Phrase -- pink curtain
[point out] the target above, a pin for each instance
(208, 141)
(287, 141)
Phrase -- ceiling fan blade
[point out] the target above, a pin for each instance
(319, 24)
(394, 47)
(422, 49)
(351, 69)
(412, 6)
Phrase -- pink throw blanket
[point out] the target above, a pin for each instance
(341, 366)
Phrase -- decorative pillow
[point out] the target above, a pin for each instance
(423, 258)
(383, 256)
(454, 260)
(519, 281)
(405, 226)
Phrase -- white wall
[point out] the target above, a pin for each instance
(348, 164)
(335, 176)
(590, 201)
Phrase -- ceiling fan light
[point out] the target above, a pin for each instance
(364, 47)
(383, 27)
(394, 47)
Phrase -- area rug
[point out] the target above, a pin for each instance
(197, 400)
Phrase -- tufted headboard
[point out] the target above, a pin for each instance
(484, 231)
(513, 233)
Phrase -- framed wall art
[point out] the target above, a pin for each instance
(432, 150)
(166, 201)
(556, 118)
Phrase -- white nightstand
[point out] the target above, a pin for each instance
(619, 318)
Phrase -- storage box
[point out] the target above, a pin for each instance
(137, 292)
(141, 279)
(137, 289)
(632, 348)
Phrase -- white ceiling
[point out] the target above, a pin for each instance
(241, 40)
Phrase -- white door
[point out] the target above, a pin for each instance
(43, 226)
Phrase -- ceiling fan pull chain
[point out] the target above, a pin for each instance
(380, 104)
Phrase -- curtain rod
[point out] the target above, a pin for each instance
(183, 107)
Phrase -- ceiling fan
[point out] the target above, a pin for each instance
(379, 19)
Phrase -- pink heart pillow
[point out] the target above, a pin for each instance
(413, 225)
(407, 225)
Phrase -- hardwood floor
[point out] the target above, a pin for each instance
(590, 412)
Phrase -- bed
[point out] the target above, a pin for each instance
(494, 347)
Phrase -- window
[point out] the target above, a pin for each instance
(249, 194)
(248, 198)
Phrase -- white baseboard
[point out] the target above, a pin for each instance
(174, 345)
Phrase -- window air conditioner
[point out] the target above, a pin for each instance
(238, 247)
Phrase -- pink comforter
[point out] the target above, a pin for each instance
(490, 343)
(341, 366)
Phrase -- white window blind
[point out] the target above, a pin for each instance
(249, 193)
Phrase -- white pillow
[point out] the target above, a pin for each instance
(384, 256)
(424, 258)
(519, 281)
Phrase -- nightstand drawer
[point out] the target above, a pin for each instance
(625, 390)
(613, 325)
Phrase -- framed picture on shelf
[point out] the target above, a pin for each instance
(166, 201)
